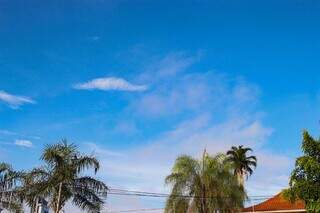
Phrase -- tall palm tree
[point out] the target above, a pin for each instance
(243, 164)
(9, 194)
(61, 179)
(203, 186)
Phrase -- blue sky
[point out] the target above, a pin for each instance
(140, 82)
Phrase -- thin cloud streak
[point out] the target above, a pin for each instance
(110, 83)
(24, 143)
(7, 132)
(14, 101)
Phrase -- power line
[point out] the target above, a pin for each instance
(133, 191)
(139, 195)
(123, 192)
(137, 210)
(126, 191)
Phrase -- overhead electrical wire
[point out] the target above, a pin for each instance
(124, 192)
(137, 210)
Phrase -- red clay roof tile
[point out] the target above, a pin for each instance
(276, 203)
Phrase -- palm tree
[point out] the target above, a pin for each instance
(203, 186)
(9, 194)
(243, 165)
(61, 179)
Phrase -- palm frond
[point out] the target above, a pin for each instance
(61, 179)
(87, 162)
(88, 201)
(207, 185)
(92, 184)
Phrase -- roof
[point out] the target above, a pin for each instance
(277, 204)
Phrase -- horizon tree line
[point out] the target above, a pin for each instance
(213, 183)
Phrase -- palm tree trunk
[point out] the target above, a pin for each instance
(240, 179)
(10, 199)
(203, 201)
(32, 207)
(204, 207)
(59, 197)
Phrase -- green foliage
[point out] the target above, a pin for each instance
(243, 165)
(9, 189)
(203, 186)
(61, 179)
(305, 178)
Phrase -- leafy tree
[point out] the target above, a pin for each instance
(305, 178)
(10, 198)
(61, 179)
(203, 186)
(243, 165)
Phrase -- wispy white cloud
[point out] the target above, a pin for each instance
(24, 143)
(14, 101)
(110, 83)
(272, 173)
(220, 112)
(102, 152)
(7, 132)
(171, 65)
(197, 92)
(174, 63)
(126, 127)
(208, 110)
(12, 134)
(145, 167)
